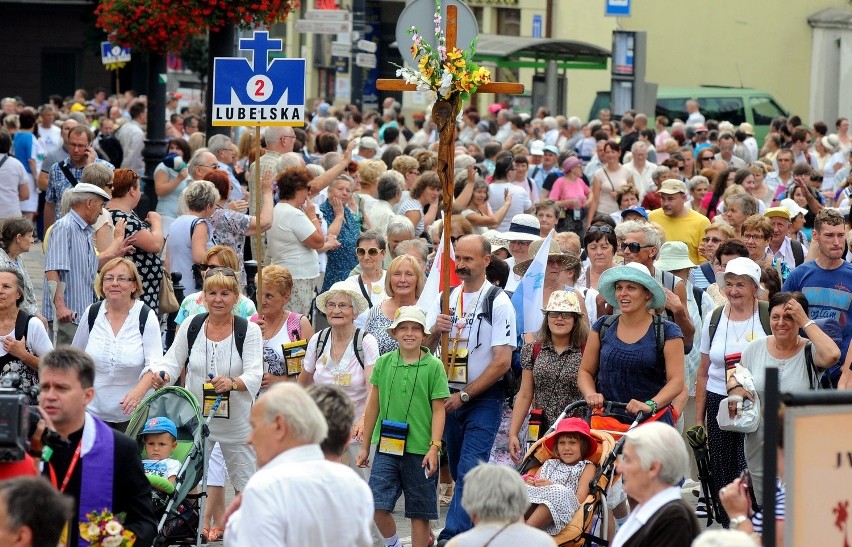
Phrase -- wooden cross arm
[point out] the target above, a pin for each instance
(494, 87)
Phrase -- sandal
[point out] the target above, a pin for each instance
(205, 533)
(446, 494)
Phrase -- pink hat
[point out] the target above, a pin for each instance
(572, 425)
(495, 108)
(570, 163)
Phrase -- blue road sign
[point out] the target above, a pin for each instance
(536, 30)
(113, 53)
(618, 8)
(260, 92)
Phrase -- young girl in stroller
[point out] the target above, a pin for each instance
(563, 481)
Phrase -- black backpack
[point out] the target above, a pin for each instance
(93, 314)
(21, 328)
(357, 343)
(195, 324)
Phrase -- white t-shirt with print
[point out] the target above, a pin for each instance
(481, 336)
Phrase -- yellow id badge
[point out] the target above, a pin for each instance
(294, 354)
(210, 396)
(392, 437)
(342, 379)
(458, 365)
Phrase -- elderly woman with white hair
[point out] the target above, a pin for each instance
(342, 354)
(653, 463)
(496, 499)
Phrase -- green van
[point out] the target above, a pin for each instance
(733, 104)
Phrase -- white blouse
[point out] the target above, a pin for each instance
(120, 359)
(222, 359)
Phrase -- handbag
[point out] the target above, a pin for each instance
(167, 301)
(747, 418)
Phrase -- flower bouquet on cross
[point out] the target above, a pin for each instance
(447, 73)
(104, 529)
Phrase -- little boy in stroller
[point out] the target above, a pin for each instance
(159, 437)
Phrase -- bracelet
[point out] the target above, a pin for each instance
(435, 443)
(735, 386)
(808, 324)
(653, 404)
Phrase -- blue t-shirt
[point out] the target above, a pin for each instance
(631, 371)
(829, 294)
(24, 148)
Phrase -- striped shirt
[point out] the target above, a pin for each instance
(780, 508)
(58, 182)
(71, 253)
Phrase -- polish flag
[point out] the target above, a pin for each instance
(434, 286)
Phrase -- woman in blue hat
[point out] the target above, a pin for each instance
(622, 361)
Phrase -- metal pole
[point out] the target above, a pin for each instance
(770, 454)
(221, 44)
(155, 143)
(258, 197)
(552, 86)
(356, 73)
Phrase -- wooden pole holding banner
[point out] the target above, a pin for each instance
(258, 200)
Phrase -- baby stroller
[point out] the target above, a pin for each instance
(582, 530)
(179, 510)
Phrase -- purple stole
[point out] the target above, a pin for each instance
(96, 482)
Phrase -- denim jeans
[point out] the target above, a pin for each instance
(469, 433)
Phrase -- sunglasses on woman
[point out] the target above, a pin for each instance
(559, 314)
(633, 247)
(601, 229)
(372, 251)
(213, 270)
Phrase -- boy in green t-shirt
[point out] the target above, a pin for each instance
(405, 412)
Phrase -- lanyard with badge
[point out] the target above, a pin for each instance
(63, 540)
(456, 356)
(339, 376)
(223, 410)
(392, 434)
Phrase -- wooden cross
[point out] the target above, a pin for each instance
(444, 114)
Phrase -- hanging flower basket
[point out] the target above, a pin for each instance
(160, 26)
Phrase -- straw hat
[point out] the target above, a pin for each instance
(634, 273)
(359, 303)
(568, 260)
(409, 313)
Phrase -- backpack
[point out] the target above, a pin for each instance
(357, 343)
(21, 329)
(659, 333)
(111, 147)
(93, 314)
(240, 329)
(798, 252)
(762, 308)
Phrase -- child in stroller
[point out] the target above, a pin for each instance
(159, 437)
(562, 481)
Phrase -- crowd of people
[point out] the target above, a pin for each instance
(682, 260)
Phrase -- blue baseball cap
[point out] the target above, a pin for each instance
(638, 210)
(160, 425)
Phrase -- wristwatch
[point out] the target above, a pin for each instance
(465, 397)
(234, 385)
(736, 521)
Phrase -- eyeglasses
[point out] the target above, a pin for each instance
(559, 314)
(109, 186)
(372, 251)
(213, 167)
(713, 239)
(752, 237)
(453, 239)
(337, 306)
(601, 229)
(633, 247)
(120, 279)
(706, 158)
(412, 172)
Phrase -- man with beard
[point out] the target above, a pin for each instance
(475, 405)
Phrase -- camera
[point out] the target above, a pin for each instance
(19, 417)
